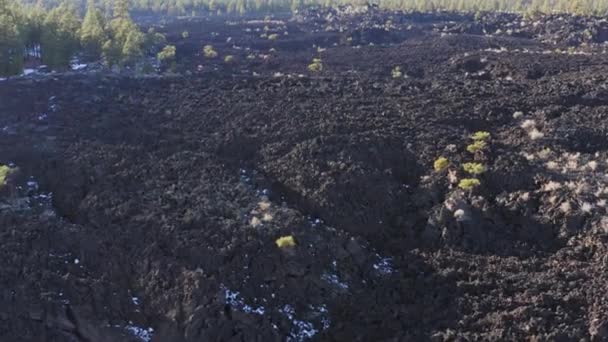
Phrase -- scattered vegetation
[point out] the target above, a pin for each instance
(474, 168)
(209, 52)
(197, 7)
(4, 172)
(480, 135)
(285, 241)
(471, 168)
(477, 146)
(166, 57)
(441, 164)
(396, 72)
(528, 124)
(316, 65)
(55, 30)
(255, 222)
(468, 183)
(533, 132)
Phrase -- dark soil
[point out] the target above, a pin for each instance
(147, 208)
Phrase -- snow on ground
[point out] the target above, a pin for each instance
(143, 334)
(77, 66)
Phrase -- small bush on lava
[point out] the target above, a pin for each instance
(476, 146)
(4, 172)
(396, 72)
(441, 164)
(285, 241)
(209, 52)
(480, 136)
(316, 65)
(167, 55)
(468, 183)
(474, 168)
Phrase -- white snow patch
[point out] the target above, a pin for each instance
(143, 334)
(384, 266)
(334, 280)
(233, 299)
(76, 67)
(32, 185)
(301, 330)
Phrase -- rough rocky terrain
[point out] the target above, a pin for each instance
(147, 208)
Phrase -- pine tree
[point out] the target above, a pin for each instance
(111, 53)
(121, 9)
(107, 8)
(11, 45)
(60, 36)
(92, 34)
(132, 48)
(33, 28)
(126, 41)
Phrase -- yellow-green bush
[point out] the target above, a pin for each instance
(474, 168)
(441, 164)
(285, 241)
(209, 52)
(476, 146)
(316, 65)
(396, 72)
(4, 172)
(480, 135)
(468, 183)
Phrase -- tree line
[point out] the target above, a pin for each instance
(54, 30)
(56, 33)
(200, 7)
(189, 7)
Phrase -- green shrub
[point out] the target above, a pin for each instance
(209, 52)
(286, 241)
(316, 65)
(167, 54)
(480, 135)
(474, 168)
(396, 72)
(468, 183)
(476, 146)
(441, 164)
(4, 172)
